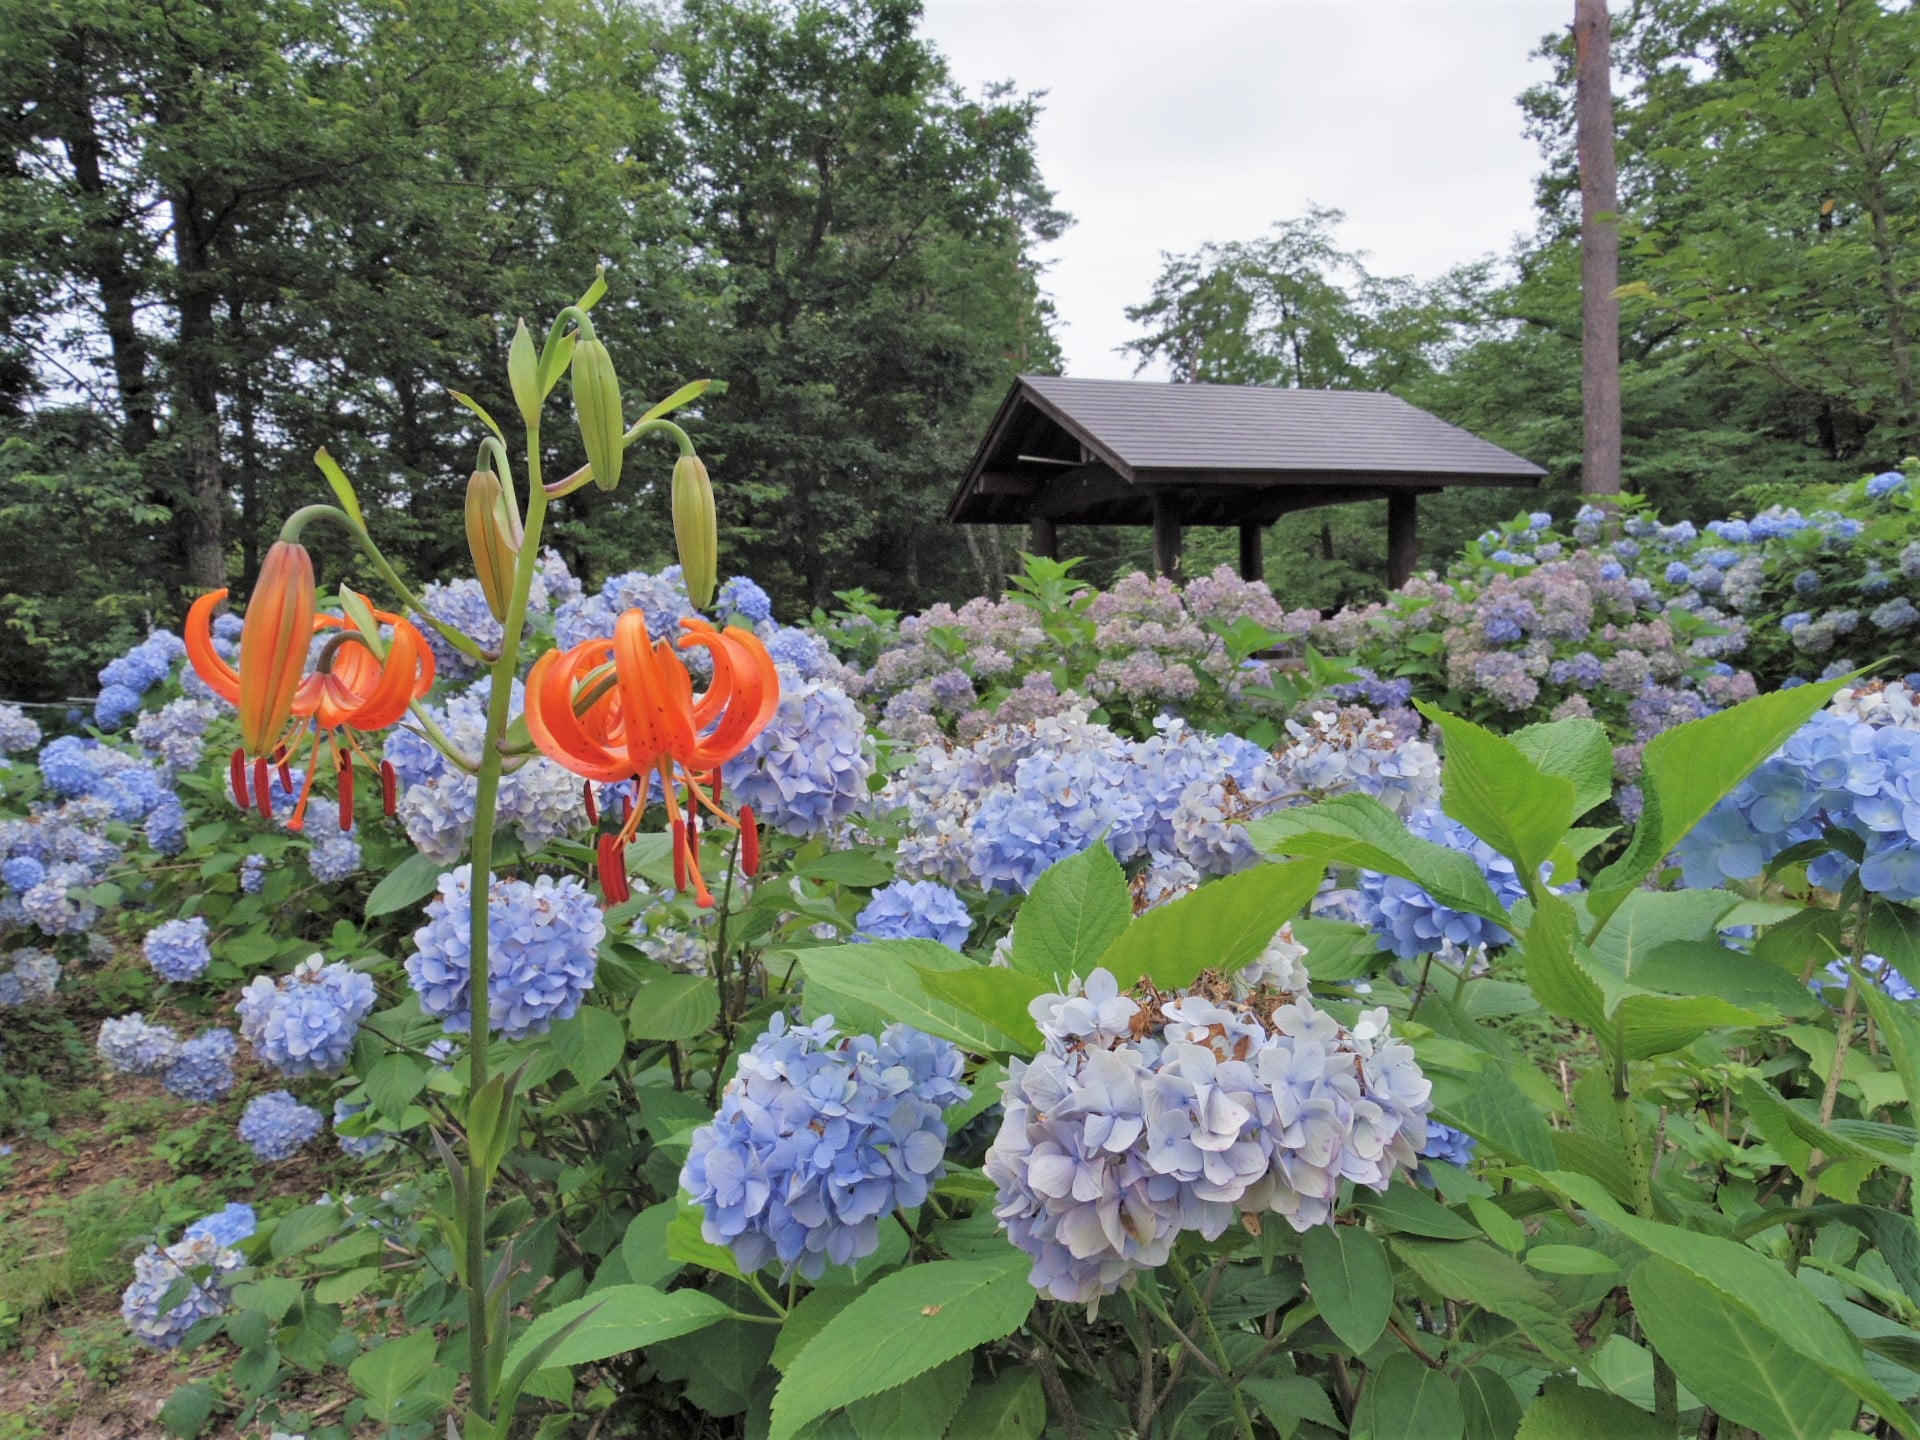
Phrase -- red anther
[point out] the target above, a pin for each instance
(713, 785)
(593, 810)
(346, 795)
(237, 771)
(693, 836)
(613, 870)
(286, 776)
(626, 807)
(679, 853)
(263, 789)
(389, 785)
(749, 840)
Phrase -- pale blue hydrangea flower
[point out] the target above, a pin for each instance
(28, 977)
(19, 732)
(130, 1046)
(22, 872)
(203, 1071)
(1409, 921)
(544, 940)
(305, 1022)
(228, 1225)
(818, 1139)
(276, 1126)
(253, 874)
(742, 601)
(193, 1269)
(166, 826)
(808, 770)
(177, 950)
(915, 910)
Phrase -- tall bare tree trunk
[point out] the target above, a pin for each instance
(196, 390)
(1599, 248)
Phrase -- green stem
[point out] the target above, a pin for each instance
(298, 521)
(487, 793)
(570, 483)
(1240, 1416)
(1666, 1390)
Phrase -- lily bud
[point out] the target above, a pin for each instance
(493, 537)
(523, 374)
(596, 406)
(273, 645)
(696, 529)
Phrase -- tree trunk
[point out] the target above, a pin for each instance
(1599, 249)
(105, 235)
(196, 393)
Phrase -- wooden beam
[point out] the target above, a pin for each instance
(1042, 539)
(1403, 539)
(1253, 561)
(1070, 494)
(1166, 534)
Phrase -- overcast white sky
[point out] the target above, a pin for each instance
(1169, 123)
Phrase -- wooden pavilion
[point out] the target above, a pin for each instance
(1136, 452)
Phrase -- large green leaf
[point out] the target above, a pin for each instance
(1406, 1400)
(1474, 1271)
(1076, 910)
(1407, 1208)
(391, 1371)
(1732, 1360)
(1359, 830)
(644, 1247)
(1753, 1284)
(1552, 951)
(1576, 750)
(1899, 1031)
(869, 986)
(408, 883)
(1488, 1404)
(1706, 967)
(907, 1323)
(1352, 1284)
(674, 1007)
(996, 996)
(591, 1042)
(1689, 769)
(1222, 926)
(923, 1406)
(1567, 1411)
(619, 1318)
(1498, 1114)
(1493, 788)
(1648, 919)
(1011, 1406)
(1652, 1025)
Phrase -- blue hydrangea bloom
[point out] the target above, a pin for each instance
(28, 977)
(1445, 1145)
(305, 1023)
(19, 731)
(915, 910)
(130, 1046)
(22, 872)
(203, 1072)
(67, 765)
(1885, 483)
(253, 874)
(276, 1126)
(818, 1139)
(177, 949)
(166, 826)
(356, 1147)
(741, 600)
(1409, 921)
(808, 770)
(544, 939)
(195, 1270)
(114, 706)
(228, 1225)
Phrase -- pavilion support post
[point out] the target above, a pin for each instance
(1253, 560)
(1403, 538)
(1166, 534)
(1042, 539)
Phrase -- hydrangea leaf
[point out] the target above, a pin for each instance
(1358, 830)
(1577, 751)
(1077, 909)
(1474, 1271)
(1406, 1400)
(997, 997)
(1352, 1284)
(390, 1372)
(922, 1406)
(1734, 1362)
(1651, 1025)
(674, 1007)
(1488, 1405)
(1567, 1410)
(871, 985)
(644, 1246)
(404, 886)
(1494, 789)
(592, 1041)
(1689, 769)
(1498, 1114)
(618, 1319)
(1011, 1406)
(1222, 926)
(907, 1323)
(1705, 967)
(1559, 979)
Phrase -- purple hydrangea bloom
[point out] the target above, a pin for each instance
(1410, 922)
(194, 1271)
(203, 1071)
(808, 770)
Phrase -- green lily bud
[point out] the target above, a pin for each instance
(696, 529)
(493, 536)
(523, 373)
(596, 406)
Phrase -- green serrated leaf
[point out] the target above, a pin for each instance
(407, 884)
(870, 986)
(674, 1007)
(1492, 787)
(907, 1323)
(618, 1319)
(591, 1042)
(388, 1374)
(1352, 1284)
(1359, 830)
(1224, 925)
(1077, 909)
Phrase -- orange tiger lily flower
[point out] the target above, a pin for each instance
(350, 688)
(625, 709)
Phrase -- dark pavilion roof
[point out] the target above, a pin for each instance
(1093, 452)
